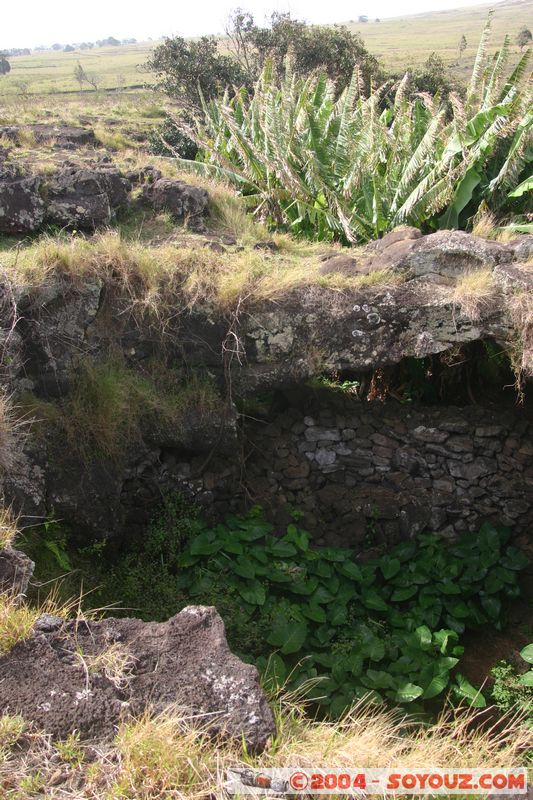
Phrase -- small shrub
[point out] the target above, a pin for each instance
(509, 692)
(169, 140)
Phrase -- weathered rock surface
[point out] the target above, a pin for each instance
(184, 202)
(63, 678)
(16, 570)
(77, 198)
(275, 346)
(21, 205)
(61, 134)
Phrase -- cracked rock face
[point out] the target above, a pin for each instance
(178, 198)
(21, 206)
(16, 570)
(62, 679)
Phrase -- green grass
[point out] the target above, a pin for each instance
(52, 72)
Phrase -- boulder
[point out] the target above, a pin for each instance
(77, 198)
(16, 570)
(89, 676)
(522, 248)
(184, 202)
(61, 134)
(116, 186)
(444, 256)
(141, 175)
(21, 205)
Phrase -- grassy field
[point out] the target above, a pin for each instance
(53, 72)
(400, 43)
(407, 41)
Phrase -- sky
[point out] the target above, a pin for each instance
(36, 22)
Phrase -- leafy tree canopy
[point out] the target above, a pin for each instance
(184, 66)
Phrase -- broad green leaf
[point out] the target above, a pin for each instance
(436, 685)
(244, 567)
(527, 678)
(407, 692)
(404, 594)
(522, 188)
(465, 689)
(527, 653)
(295, 639)
(373, 600)
(314, 612)
(389, 567)
(253, 593)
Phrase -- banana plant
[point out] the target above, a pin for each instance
(353, 167)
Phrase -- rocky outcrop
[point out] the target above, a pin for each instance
(179, 199)
(274, 346)
(65, 136)
(88, 196)
(76, 198)
(21, 205)
(16, 570)
(89, 676)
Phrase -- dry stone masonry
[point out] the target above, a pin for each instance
(375, 473)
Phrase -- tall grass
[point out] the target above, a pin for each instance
(355, 167)
(172, 756)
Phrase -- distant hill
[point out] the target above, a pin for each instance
(401, 42)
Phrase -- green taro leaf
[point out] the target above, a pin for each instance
(527, 653)
(465, 689)
(407, 692)
(492, 606)
(298, 537)
(244, 567)
(205, 545)
(404, 594)
(351, 570)
(314, 612)
(423, 634)
(283, 549)
(253, 593)
(389, 567)
(436, 685)
(527, 678)
(295, 638)
(373, 600)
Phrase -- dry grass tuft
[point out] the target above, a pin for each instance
(520, 308)
(17, 617)
(115, 662)
(475, 292)
(164, 280)
(10, 431)
(8, 527)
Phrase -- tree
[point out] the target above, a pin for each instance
(184, 67)
(524, 37)
(433, 78)
(463, 44)
(69, 49)
(334, 50)
(5, 66)
(81, 76)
